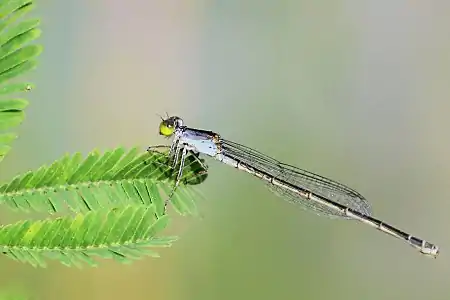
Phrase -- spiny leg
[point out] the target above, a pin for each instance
(197, 158)
(156, 148)
(184, 152)
(153, 148)
(172, 150)
(177, 156)
(173, 146)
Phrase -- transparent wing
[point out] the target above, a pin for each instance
(314, 183)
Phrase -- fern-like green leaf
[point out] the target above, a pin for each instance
(123, 234)
(112, 179)
(16, 58)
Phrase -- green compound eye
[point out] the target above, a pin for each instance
(166, 129)
(168, 126)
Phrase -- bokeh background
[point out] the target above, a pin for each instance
(354, 90)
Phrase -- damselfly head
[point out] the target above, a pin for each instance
(168, 126)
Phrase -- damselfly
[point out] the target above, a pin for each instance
(311, 191)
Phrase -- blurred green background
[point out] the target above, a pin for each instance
(354, 90)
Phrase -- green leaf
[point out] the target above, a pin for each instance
(12, 105)
(7, 8)
(123, 234)
(16, 87)
(18, 70)
(19, 35)
(115, 178)
(10, 118)
(16, 58)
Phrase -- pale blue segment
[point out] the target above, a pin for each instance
(202, 142)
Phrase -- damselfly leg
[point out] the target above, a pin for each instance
(177, 160)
